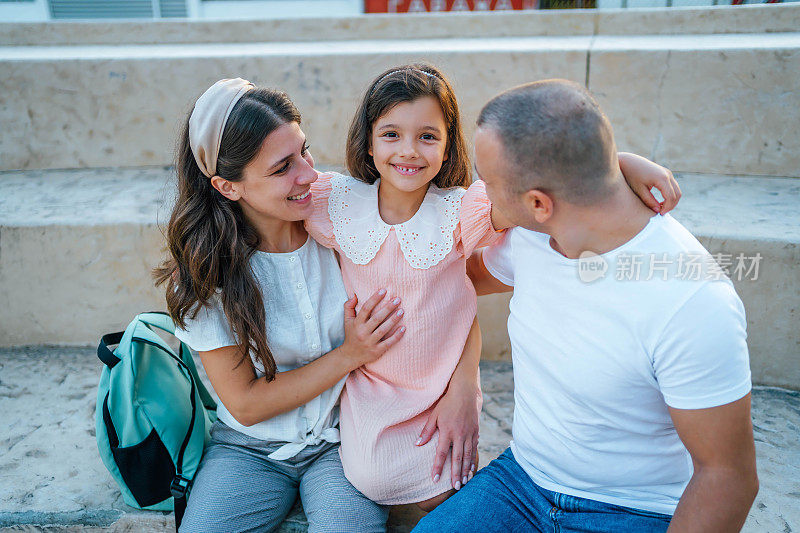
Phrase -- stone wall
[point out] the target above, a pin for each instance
(710, 91)
(699, 90)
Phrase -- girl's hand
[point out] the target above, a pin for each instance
(642, 175)
(456, 416)
(371, 331)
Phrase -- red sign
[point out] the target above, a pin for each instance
(423, 6)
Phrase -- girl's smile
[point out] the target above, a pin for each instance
(407, 170)
(408, 144)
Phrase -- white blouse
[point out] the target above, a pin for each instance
(303, 297)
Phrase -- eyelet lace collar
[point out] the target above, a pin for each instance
(425, 239)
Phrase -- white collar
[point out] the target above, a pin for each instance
(425, 239)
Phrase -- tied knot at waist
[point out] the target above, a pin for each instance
(290, 449)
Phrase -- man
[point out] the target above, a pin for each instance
(631, 372)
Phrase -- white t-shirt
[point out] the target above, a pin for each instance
(303, 297)
(596, 362)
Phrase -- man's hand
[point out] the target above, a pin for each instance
(724, 483)
(456, 417)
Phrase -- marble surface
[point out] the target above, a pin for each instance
(747, 215)
(53, 479)
(740, 207)
(706, 19)
(697, 20)
(719, 103)
(372, 26)
(78, 107)
(716, 104)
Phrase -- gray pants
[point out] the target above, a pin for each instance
(238, 488)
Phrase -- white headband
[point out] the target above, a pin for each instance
(208, 118)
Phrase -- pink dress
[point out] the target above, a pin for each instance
(385, 404)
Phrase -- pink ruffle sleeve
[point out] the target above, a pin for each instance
(476, 219)
(319, 224)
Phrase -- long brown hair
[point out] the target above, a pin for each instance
(405, 84)
(209, 239)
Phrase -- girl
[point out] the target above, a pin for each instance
(262, 303)
(405, 221)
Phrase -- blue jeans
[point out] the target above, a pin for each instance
(502, 498)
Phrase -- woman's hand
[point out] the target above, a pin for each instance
(643, 175)
(456, 416)
(371, 331)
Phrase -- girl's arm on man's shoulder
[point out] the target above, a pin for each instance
(643, 175)
(319, 224)
(500, 222)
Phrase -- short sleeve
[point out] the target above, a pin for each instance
(499, 259)
(208, 330)
(701, 359)
(319, 224)
(476, 219)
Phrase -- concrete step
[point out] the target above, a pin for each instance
(76, 248)
(698, 102)
(652, 21)
(53, 479)
(52, 474)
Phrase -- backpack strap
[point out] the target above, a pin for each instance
(158, 319)
(104, 353)
(164, 322)
(205, 396)
(180, 485)
(179, 504)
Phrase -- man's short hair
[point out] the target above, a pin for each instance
(556, 139)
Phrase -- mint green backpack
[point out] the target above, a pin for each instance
(153, 415)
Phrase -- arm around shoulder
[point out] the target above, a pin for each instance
(478, 219)
(491, 269)
(642, 175)
(482, 279)
(319, 224)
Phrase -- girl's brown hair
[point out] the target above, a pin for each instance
(405, 84)
(209, 239)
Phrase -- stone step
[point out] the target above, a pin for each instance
(51, 471)
(652, 21)
(699, 102)
(53, 479)
(76, 248)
